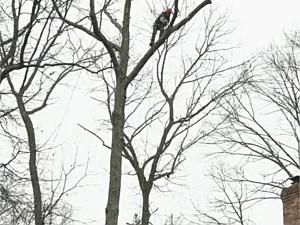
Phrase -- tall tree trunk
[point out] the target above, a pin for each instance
(37, 198)
(146, 207)
(112, 208)
(118, 117)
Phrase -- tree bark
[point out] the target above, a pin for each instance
(112, 208)
(37, 198)
(118, 118)
(146, 211)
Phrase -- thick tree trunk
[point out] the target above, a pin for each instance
(118, 117)
(37, 198)
(112, 208)
(146, 211)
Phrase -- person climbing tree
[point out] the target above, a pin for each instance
(160, 23)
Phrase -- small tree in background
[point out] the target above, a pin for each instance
(261, 129)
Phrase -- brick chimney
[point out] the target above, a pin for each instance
(291, 203)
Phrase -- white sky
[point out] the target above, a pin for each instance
(258, 22)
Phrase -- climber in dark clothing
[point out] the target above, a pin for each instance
(160, 23)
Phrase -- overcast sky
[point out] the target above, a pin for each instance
(258, 22)
(261, 21)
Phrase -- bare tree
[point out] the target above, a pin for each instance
(176, 118)
(32, 65)
(167, 116)
(231, 200)
(261, 132)
(124, 74)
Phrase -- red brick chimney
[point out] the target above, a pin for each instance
(291, 203)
